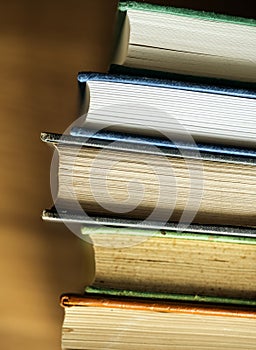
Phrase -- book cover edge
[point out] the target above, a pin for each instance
(144, 77)
(178, 11)
(94, 229)
(169, 296)
(143, 304)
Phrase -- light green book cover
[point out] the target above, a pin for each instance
(95, 229)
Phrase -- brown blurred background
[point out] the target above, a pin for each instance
(43, 46)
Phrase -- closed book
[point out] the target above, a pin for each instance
(151, 103)
(103, 322)
(130, 181)
(185, 41)
(166, 262)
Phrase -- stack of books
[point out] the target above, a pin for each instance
(160, 178)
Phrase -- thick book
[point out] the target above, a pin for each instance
(185, 41)
(166, 262)
(103, 322)
(159, 104)
(130, 181)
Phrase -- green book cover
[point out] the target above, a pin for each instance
(169, 296)
(211, 16)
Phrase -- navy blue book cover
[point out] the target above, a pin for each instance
(166, 146)
(144, 77)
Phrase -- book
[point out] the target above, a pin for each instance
(104, 322)
(160, 104)
(169, 262)
(185, 41)
(94, 178)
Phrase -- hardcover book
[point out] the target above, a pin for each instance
(94, 177)
(169, 262)
(159, 104)
(103, 322)
(185, 41)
